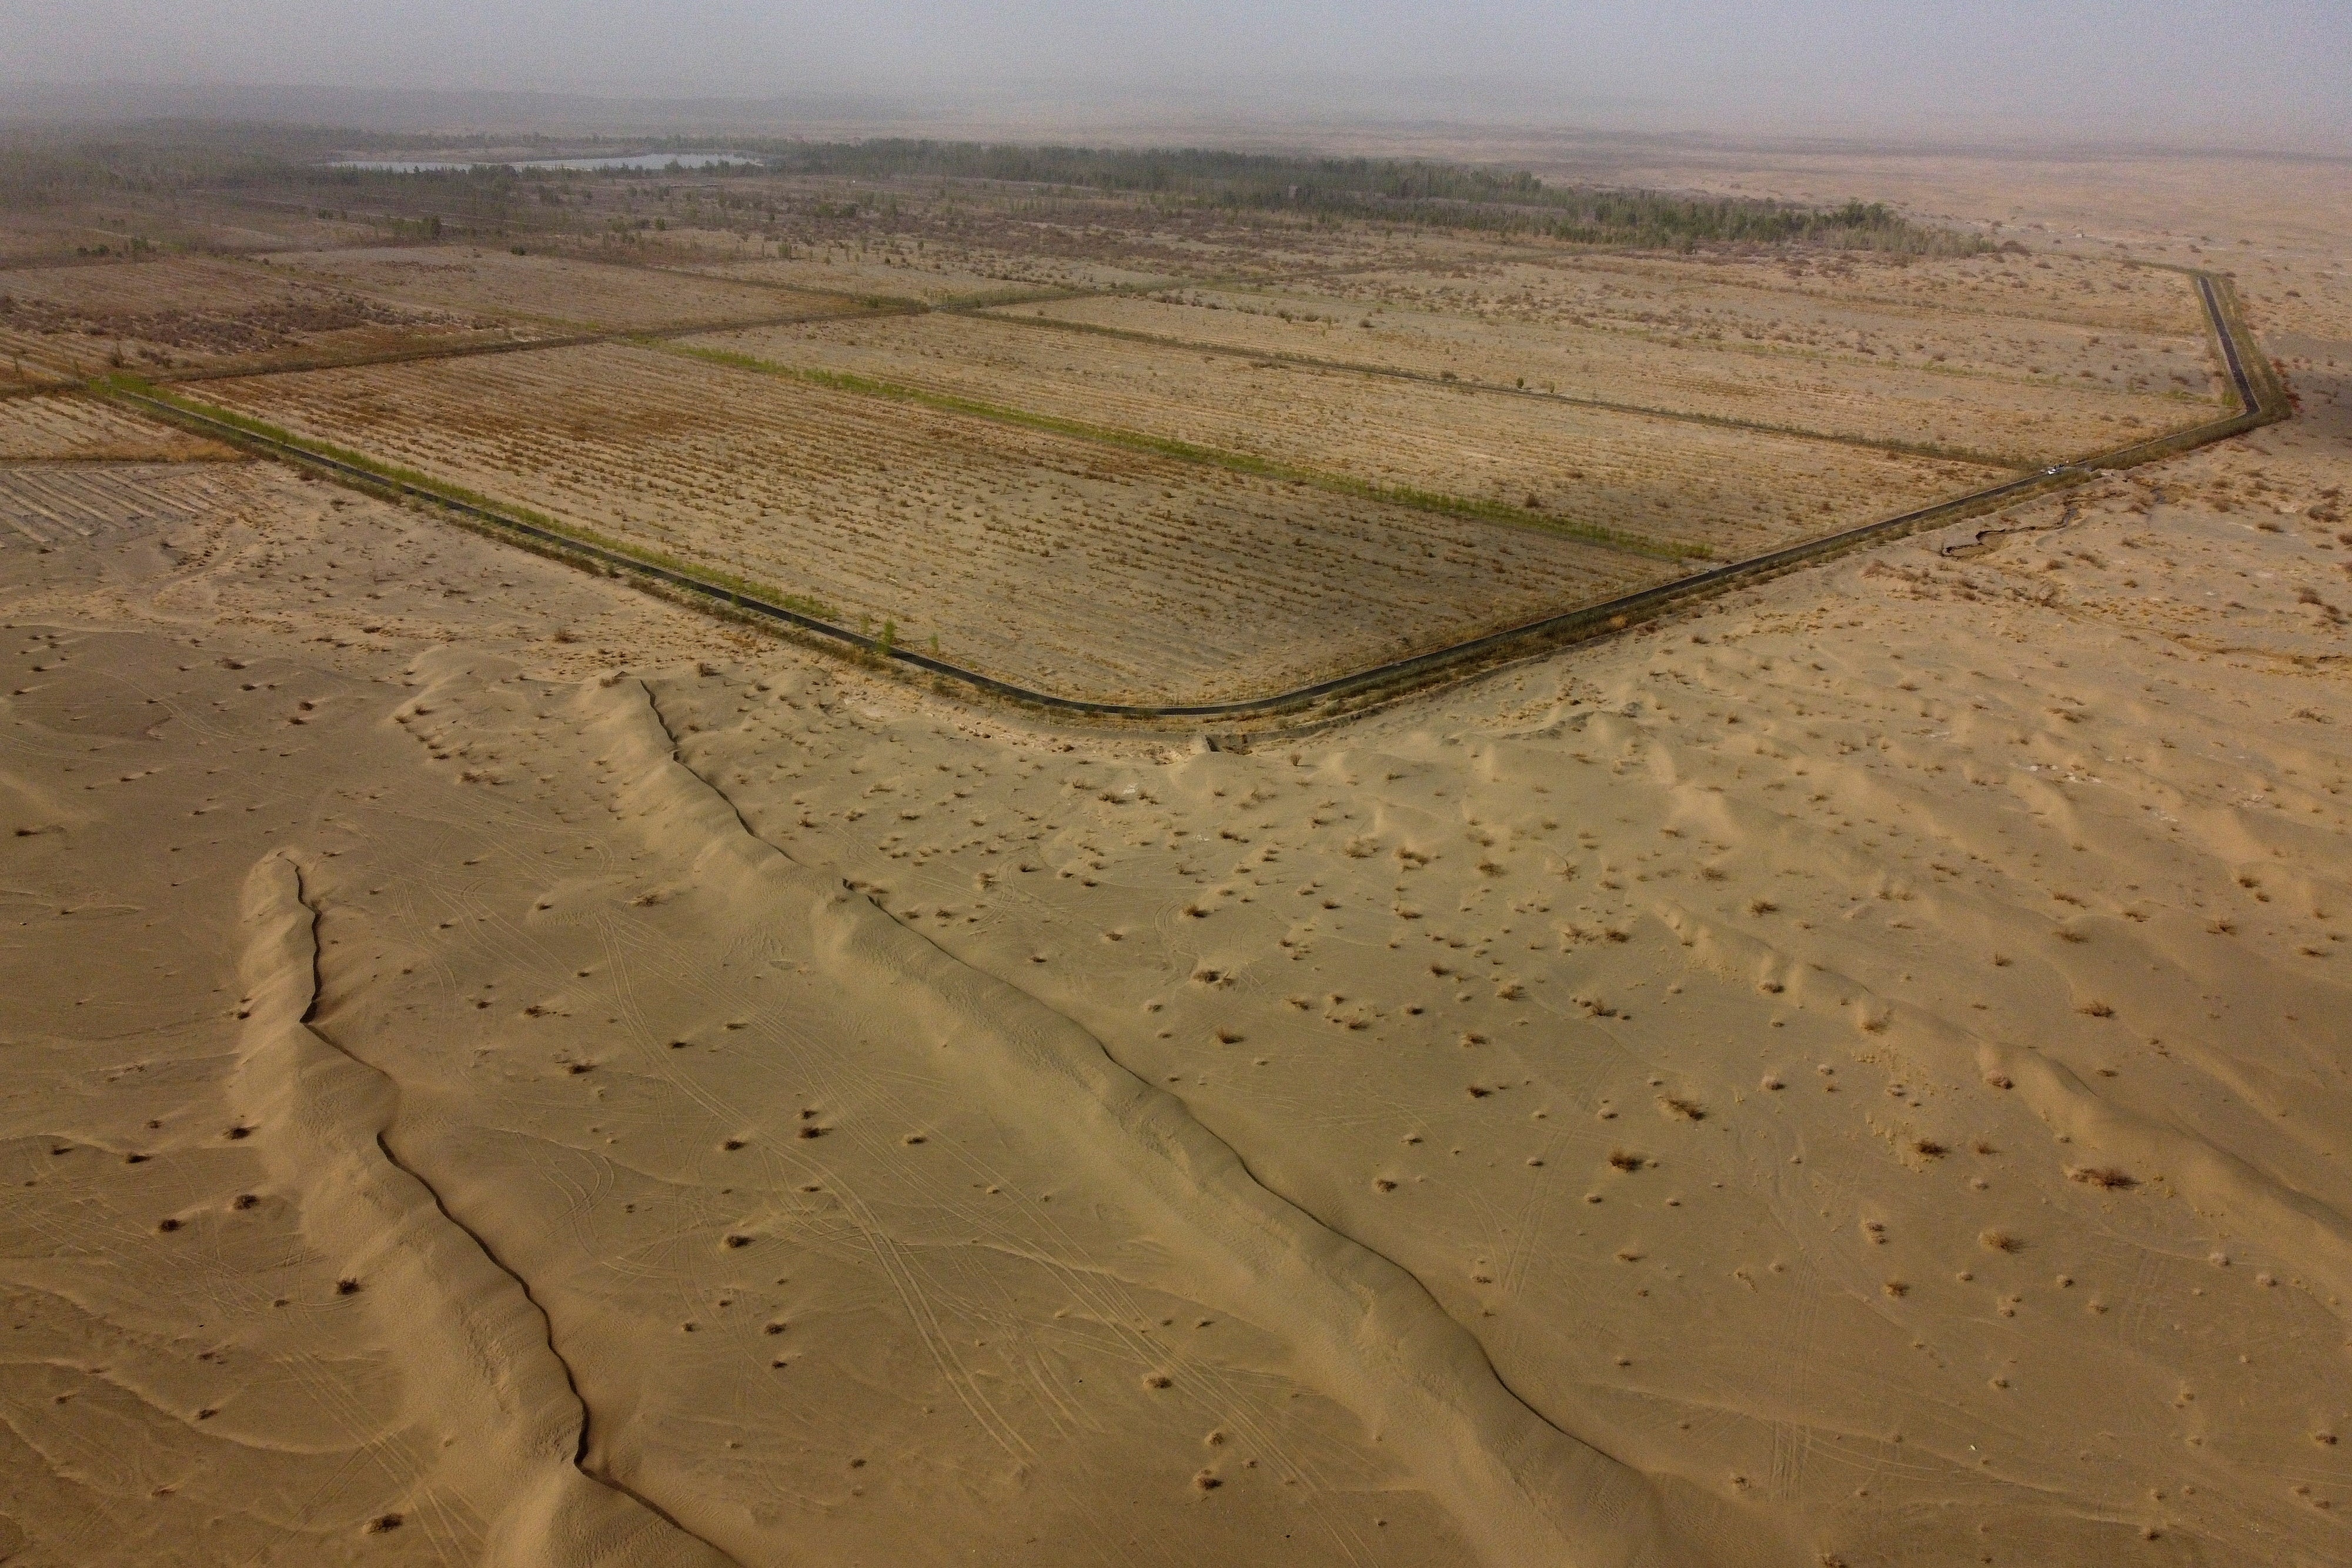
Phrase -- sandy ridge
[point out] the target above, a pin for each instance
(481, 1359)
(1525, 1490)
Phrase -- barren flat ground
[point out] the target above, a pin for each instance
(499, 1066)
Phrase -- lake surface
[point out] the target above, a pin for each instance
(644, 160)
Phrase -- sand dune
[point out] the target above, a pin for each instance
(478, 1357)
(500, 1069)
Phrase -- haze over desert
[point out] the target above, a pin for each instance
(1382, 840)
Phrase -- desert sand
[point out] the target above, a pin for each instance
(502, 1068)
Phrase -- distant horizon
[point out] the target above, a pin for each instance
(562, 113)
(2177, 74)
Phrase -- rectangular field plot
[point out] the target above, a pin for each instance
(65, 427)
(1078, 568)
(1995, 313)
(1735, 492)
(203, 313)
(2036, 341)
(2077, 290)
(1833, 389)
(552, 290)
(935, 279)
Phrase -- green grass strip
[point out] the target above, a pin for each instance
(1929, 449)
(1188, 452)
(393, 472)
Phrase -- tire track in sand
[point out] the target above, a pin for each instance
(1522, 1490)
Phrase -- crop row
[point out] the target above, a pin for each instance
(1455, 321)
(1043, 559)
(1733, 491)
(547, 289)
(196, 310)
(63, 426)
(2101, 296)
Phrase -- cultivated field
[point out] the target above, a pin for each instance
(55, 427)
(932, 281)
(551, 290)
(1161, 440)
(1068, 564)
(2021, 389)
(1810, 300)
(2087, 291)
(1731, 492)
(199, 312)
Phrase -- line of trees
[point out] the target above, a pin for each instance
(38, 168)
(1409, 191)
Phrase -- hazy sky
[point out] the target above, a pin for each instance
(2182, 69)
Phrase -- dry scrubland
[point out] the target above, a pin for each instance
(50, 235)
(501, 1068)
(204, 312)
(2092, 321)
(1815, 978)
(951, 278)
(548, 289)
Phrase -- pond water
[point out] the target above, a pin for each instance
(643, 160)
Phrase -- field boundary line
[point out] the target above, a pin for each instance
(374, 475)
(425, 353)
(1639, 261)
(1644, 263)
(985, 307)
(2261, 394)
(1192, 452)
(1437, 379)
